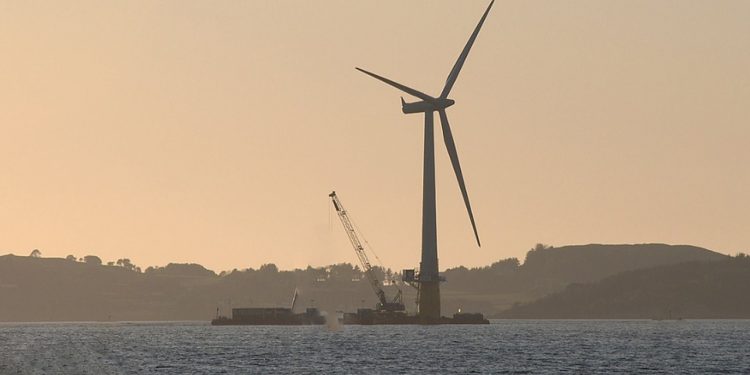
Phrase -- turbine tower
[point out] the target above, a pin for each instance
(429, 279)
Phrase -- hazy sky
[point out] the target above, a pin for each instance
(212, 131)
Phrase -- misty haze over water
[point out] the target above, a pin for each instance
(519, 346)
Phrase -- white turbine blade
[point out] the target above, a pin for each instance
(399, 86)
(460, 62)
(451, 146)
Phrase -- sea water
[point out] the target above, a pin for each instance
(505, 346)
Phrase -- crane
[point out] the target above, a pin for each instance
(383, 304)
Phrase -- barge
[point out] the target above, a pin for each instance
(278, 316)
(381, 317)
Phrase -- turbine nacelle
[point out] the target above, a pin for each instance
(423, 106)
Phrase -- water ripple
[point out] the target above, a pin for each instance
(507, 346)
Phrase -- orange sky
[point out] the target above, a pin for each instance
(212, 131)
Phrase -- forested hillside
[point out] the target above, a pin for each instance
(33, 288)
(685, 290)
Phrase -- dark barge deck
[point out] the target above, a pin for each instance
(312, 316)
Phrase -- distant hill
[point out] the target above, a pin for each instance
(550, 269)
(686, 290)
(54, 289)
(577, 264)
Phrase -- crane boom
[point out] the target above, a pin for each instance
(383, 304)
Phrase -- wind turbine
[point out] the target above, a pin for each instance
(429, 279)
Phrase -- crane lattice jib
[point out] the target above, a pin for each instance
(358, 248)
